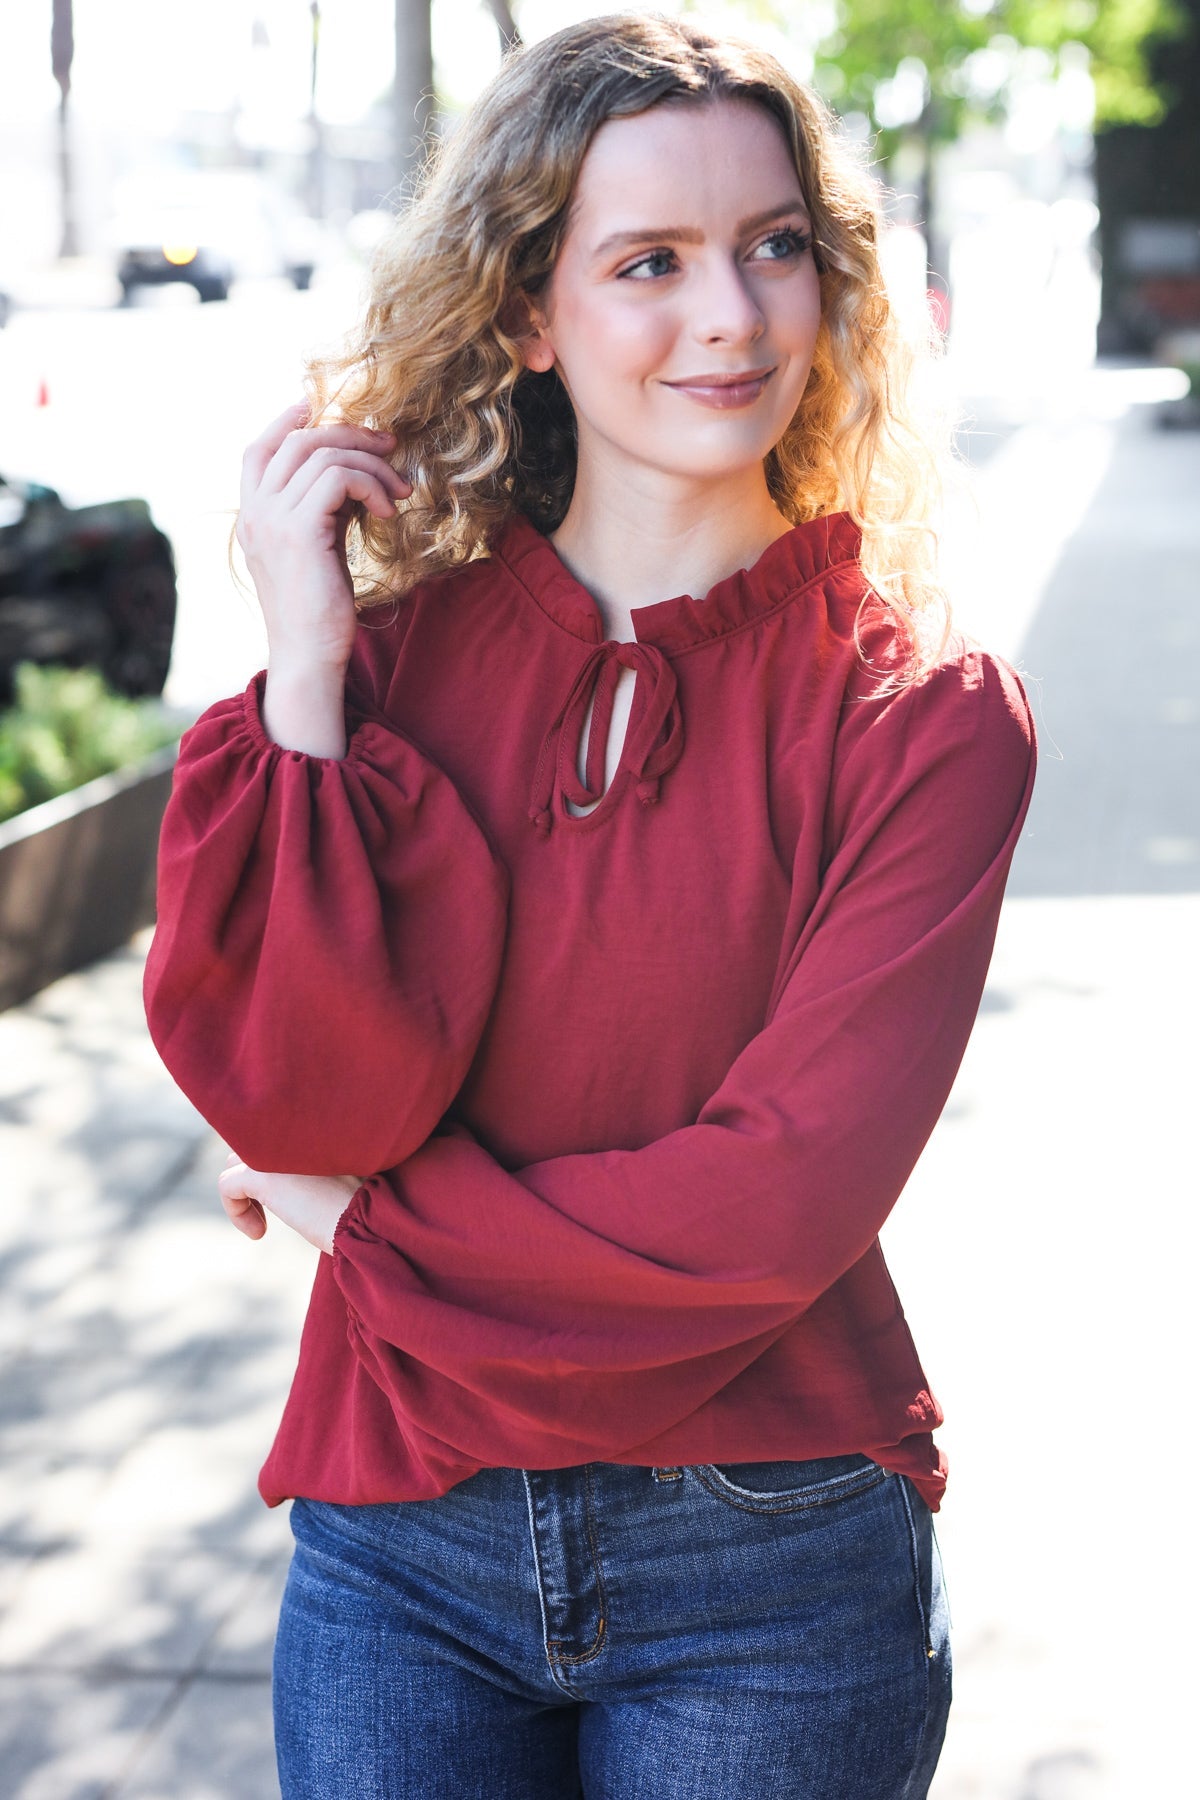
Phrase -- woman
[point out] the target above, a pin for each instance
(581, 966)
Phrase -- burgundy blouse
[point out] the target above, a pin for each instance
(631, 1093)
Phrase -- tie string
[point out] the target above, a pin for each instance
(653, 740)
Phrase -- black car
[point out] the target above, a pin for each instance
(207, 228)
(87, 585)
(198, 265)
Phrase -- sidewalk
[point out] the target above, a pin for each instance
(1044, 1250)
(146, 1348)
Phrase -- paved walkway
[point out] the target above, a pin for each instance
(1045, 1250)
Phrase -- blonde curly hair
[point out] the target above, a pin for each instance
(436, 357)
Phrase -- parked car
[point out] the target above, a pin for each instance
(165, 249)
(87, 585)
(207, 227)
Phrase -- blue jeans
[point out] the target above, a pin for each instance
(618, 1633)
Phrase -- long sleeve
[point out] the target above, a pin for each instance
(582, 1305)
(329, 939)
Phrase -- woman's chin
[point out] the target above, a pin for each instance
(743, 472)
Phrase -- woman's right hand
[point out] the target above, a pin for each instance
(300, 486)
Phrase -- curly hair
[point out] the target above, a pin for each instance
(436, 358)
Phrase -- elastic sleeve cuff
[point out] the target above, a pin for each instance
(359, 731)
(350, 1215)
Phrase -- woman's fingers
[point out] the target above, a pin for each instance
(299, 448)
(289, 441)
(264, 447)
(248, 1216)
(318, 493)
(332, 488)
(298, 464)
(241, 1208)
(344, 464)
(310, 1204)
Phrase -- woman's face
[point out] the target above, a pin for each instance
(686, 262)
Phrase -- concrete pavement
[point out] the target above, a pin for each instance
(1044, 1250)
(145, 1349)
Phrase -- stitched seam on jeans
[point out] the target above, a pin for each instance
(551, 1656)
(926, 1638)
(918, 1757)
(583, 1656)
(908, 1792)
(839, 1488)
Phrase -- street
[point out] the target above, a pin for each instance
(1044, 1248)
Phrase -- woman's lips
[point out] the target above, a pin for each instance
(722, 395)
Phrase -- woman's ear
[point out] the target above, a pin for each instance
(538, 351)
(526, 324)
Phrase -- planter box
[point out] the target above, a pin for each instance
(77, 874)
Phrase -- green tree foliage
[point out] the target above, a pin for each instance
(921, 70)
(67, 727)
(969, 51)
(859, 44)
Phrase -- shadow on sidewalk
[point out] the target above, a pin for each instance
(145, 1349)
(1113, 661)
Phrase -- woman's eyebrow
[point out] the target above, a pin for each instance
(686, 234)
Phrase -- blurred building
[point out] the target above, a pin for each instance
(1148, 189)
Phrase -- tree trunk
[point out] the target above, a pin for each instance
(935, 252)
(62, 54)
(506, 25)
(316, 147)
(412, 90)
(937, 249)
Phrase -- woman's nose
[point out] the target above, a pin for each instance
(726, 308)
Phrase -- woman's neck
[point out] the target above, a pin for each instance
(633, 548)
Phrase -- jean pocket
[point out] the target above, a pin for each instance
(771, 1487)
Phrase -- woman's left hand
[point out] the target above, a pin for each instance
(310, 1204)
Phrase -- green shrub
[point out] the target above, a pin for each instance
(66, 727)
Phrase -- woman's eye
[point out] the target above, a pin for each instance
(642, 270)
(788, 242)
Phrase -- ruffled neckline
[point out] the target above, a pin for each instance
(804, 553)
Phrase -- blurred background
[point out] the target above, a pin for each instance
(188, 199)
